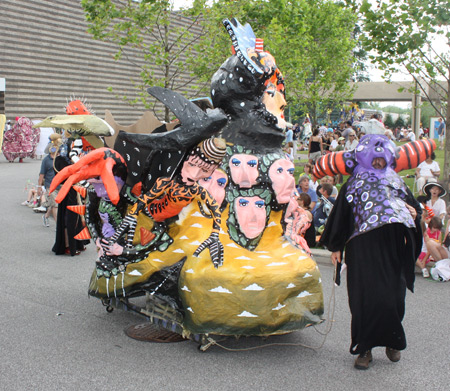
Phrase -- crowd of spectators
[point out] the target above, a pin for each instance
(318, 197)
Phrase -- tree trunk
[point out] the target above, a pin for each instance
(446, 178)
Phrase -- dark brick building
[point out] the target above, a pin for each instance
(46, 56)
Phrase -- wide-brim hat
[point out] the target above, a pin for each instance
(427, 187)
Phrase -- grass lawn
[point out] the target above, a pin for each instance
(303, 159)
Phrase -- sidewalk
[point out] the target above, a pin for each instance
(321, 256)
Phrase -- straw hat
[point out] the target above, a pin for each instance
(429, 185)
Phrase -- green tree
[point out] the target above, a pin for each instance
(402, 33)
(147, 34)
(311, 40)
(426, 112)
(399, 122)
(389, 121)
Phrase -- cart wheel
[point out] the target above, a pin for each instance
(202, 348)
(109, 309)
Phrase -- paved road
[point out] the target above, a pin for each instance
(54, 337)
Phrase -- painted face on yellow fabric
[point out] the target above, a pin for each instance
(244, 170)
(251, 215)
(195, 169)
(281, 173)
(215, 184)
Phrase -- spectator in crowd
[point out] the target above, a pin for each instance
(388, 133)
(441, 132)
(322, 130)
(427, 212)
(324, 206)
(289, 150)
(427, 171)
(33, 198)
(335, 142)
(432, 233)
(326, 141)
(315, 147)
(307, 170)
(46, 175)
(435, 192)
(348, 129)
(304, 201)
(440, 250)
(352, 141)
(289, 135)
(331, 181)
(408, 136)
(341, 144)
(303, 187)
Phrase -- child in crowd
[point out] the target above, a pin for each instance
(432, 233)
(289, 150)
(304, 201)
(428, 213)
(33, 199)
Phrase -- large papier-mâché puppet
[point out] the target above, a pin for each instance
(208, 231)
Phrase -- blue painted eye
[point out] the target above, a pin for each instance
(291, 171)
(243, 202)
(280, 170)
(252, 163)
(221, 182)
(235, 162)
(207, 179)
(259, 204)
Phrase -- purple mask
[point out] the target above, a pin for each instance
(370, 147)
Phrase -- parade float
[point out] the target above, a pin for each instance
(197, 228)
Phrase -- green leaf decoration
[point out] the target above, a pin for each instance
(163, 247)
(265, 194)
(233, 233)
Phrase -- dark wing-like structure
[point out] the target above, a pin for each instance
(149, 156)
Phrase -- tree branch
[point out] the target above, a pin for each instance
(185, 31)
(433, 64)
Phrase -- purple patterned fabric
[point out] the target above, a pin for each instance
(377, 196)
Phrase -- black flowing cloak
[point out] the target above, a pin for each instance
(67, 220)
(380, 266)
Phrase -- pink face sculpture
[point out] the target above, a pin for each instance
(251, 215)
(281, 173)
(195, 169)
(244, 170)
(215, 184)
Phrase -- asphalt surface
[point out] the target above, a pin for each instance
(54, 337)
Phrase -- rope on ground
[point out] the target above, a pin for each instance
(331, 311)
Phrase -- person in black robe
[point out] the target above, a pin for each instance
(380, 266)
(68, 223)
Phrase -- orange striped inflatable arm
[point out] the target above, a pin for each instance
(414, 153)
(342, 162)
